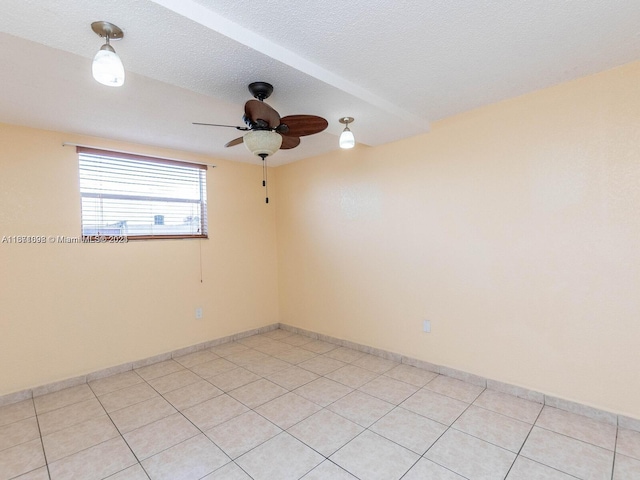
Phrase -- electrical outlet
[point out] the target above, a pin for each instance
(426, 326)
(198, 313)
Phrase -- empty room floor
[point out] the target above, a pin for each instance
(284, 406)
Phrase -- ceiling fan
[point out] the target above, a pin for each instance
(266, 131)
(258, 116)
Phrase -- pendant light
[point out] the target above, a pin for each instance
(107, 67)
(347, 139)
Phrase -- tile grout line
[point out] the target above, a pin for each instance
(117, 389)
(99, 443)
(396, 406)
(575, 438)
(195, 426)
(22, 442)
(420, 456)
(536, 461)
(63, 406)
(142, 426)
(121, 436)
(449, 427)
(502, 415)
(236, 464)
(524, 441)
(615, 451)
(341, 468)
(44, 452)
(183, 441)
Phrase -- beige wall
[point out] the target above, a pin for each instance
(66, 310)
(514, 228)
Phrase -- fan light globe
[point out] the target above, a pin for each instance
(347, 139)
(262, 142)
(107, 67)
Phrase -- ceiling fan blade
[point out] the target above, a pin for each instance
(218, 125)
(256, 110)
(301, 125)
(289, 142)
(235, 141)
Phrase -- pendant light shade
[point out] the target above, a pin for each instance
(347, 140)
(107, 67)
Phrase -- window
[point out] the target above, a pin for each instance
(141, 197)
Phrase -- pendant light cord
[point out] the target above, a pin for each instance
(200, 242)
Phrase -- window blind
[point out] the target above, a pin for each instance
(141, 197)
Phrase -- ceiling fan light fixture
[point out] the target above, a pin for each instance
(107, 67)
(347, 140)
(262, 142)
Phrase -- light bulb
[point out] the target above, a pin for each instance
(347, 139)
(107, 67)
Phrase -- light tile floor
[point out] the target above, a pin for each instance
(283, 406)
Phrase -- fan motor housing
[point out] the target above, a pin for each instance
(260, 90)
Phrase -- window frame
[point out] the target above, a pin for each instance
(110, 238)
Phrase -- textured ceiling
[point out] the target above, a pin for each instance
(396, 66)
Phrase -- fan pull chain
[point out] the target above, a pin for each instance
(266, 192)
(264, 176)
